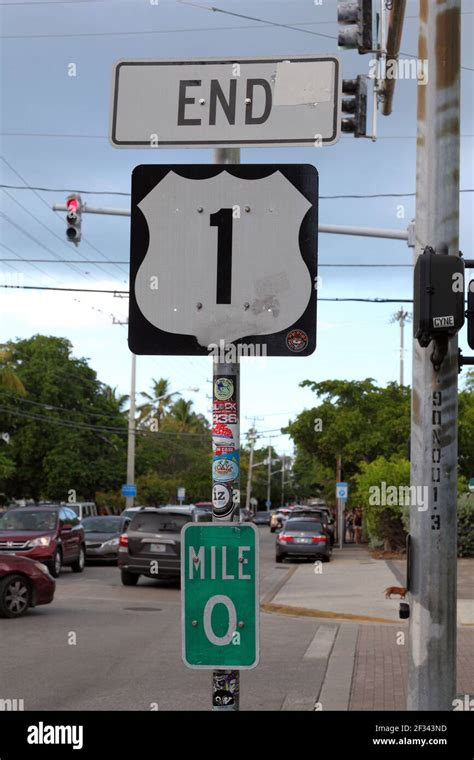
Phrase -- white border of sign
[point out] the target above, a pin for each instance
(257, 597)
(306, 142)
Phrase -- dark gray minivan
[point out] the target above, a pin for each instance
(152, 544)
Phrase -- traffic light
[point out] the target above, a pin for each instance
(470, 314)
(354, 108)
(438, 310)
(355, 18)
(73, 217)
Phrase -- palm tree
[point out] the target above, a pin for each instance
(115, 398)
(156, 403)
(9, 380)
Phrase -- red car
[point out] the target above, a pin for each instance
(52, 535)
(24, 583)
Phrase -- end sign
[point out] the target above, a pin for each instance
(220, 602)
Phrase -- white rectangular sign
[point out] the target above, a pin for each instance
(212, 103)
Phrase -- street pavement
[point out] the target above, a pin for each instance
(103, 646)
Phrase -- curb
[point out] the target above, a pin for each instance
(284, 609)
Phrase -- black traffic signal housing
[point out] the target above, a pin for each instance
(470, 314)
(73, 217)
(438, 309)
(355, 18)
(354, 107)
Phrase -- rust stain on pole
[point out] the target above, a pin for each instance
(448, 25)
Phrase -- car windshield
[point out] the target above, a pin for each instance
(102, 524)
(153, 522)
(303, 526)
(18, 520)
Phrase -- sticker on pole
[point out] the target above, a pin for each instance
(223, 258)
(220, 601)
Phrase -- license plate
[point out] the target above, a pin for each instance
(158, 548)
(303, 540)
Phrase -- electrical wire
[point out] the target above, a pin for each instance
(56, 216)
(127, 195)
(97, 290)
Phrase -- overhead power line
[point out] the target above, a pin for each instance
(127, 195)
(56, 216)
(126, 292)
(74, 261)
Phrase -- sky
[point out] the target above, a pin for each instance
(54, 135)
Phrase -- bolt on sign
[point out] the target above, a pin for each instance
(223, 260)
(273, 101)
(220, 599)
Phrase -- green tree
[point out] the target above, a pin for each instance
(157, 402)
(384, 523)
(354, 419)
(68, 434)
(9, 380)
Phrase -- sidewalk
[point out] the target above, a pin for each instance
(351, 587)
(361, 637)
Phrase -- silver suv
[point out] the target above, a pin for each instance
(152, 544)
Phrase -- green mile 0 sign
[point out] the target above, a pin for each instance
(220, 601)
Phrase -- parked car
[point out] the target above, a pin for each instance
(24, 583)
(152, 544)
(53, 535)
(130, 512)
(102, 536)
(303, 537)
(82, 509)
(319, 512)
(262, 518)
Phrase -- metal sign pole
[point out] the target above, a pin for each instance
(226, 390)
(434, 422)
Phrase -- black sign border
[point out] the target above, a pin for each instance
(146, 339)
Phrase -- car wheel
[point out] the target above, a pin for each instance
(78, 565)
(129, 579)
(326, 558)
(279, 558)
(56, 564)
(15, 596)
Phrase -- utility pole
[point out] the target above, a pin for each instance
(432, 585)
(129, 500)
(269, 476)
(283, 462)
(228, 680)
(252, 438)
(401, 317)
(340, 504)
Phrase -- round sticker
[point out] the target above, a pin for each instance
(224, 388)
(225, 468)
(297, 340)
(222, 499)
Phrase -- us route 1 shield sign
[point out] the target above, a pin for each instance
(226, 102)
(223, 254)
(220, 599)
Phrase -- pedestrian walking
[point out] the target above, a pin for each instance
(358, 525)
(350, 528)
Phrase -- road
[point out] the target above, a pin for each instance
(103, 646)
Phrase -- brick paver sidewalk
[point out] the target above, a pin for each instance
(380, 670)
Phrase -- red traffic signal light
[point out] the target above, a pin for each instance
(74, 207)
